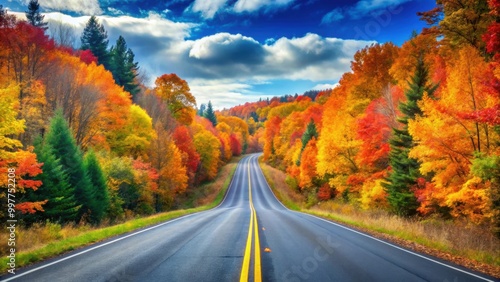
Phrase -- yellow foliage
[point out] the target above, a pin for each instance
(373, 194)
(10, 125)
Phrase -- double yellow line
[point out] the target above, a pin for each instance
(253, 228)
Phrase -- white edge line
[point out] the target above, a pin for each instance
(376, 239)
(397, 247)
(16, 276)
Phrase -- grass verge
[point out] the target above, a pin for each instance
(49, 240)
(276, 180)
(460, 242)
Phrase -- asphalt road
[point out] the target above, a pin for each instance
(250, 236)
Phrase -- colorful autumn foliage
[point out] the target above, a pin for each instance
(97, 155)
(447, 145)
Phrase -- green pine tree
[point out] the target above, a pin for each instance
(405, 170)
(201, 110)
(63, 145)
(124, 68)
(33, 15)
(61, 206)
(100, 189)
(310, 132)
(95, 39)
(210, 114)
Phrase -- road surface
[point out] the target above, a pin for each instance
(250, 236)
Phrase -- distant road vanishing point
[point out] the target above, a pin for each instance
(250, 236)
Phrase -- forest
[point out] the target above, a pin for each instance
(87, 141)
(411, 129)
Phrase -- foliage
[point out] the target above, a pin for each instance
(177, 95)
(404, 169)
(210, 114)
(62, 144)
(33, 15)
(98, 187)
(95, 39)
(59, 196)
(123, 67)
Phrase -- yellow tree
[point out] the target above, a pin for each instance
(166, 159)
(446, 142)
(176, 93)
(135, 137)
(338, 144)
(12, 157)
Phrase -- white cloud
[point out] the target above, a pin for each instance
(361, 9)
(224, 66)
(333, 16)
(208, 8)
(87, 7)
(255, 5)
(223, 93)
(324, 86)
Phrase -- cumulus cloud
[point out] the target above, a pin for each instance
(310, 57)
(87, 7)
(208, 8)
(324, 86)
(223, 93)
(361, 9)
(223, 65)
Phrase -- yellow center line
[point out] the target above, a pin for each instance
(253, 228)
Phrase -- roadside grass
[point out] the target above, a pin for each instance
(46, 240)
(276, 180)
(458, 241)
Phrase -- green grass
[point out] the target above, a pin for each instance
(87, 237)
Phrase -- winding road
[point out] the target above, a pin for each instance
(250, 236)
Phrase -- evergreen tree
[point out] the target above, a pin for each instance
(201, 110)
(310, 132)
(124, 68)
(101, 200)
(405, 170)
(61, 205)
(210, 114)
(95, 39)
(33, 15)
(63, 145)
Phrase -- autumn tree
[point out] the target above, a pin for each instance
(371, 70)
(209, 148)
(449, 136)
(95, 39)
(12, 156)
(33, 15)
(177, 95)
(461, 22)
(135, 136)
(405, 170)
(190, 157)
(166, 159)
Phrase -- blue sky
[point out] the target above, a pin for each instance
(234, 51)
